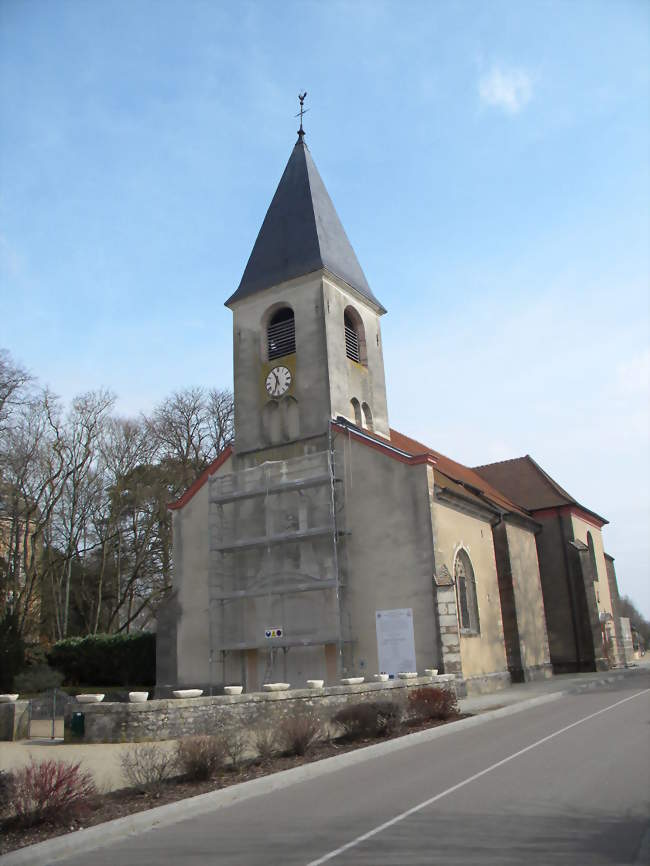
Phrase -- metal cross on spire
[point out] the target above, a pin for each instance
(303, 110)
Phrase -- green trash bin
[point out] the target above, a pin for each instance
(77, 724)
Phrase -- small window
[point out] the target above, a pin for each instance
(466, 594)
(281, 334)
(367, 416)
(592, 556)
(356, 409)
(355, 338)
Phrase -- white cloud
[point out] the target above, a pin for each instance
(507, 89)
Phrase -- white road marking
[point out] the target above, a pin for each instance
(423, 805)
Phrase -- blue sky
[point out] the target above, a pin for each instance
(488, 160)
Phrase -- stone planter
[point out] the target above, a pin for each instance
(138, 697)
(233, 690)
(431, 672)
(8, 699)
(275, 687)
(407, 675)
(380, 678)
(188, 693)
(315, 684)
(352, 681)
(89, 699)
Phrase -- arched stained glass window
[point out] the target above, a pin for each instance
(468, 618)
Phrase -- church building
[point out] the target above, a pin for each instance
(324, 543)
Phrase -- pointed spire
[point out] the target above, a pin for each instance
(301, 233)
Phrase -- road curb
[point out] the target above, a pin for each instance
(82, 841)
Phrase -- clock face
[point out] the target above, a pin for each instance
(278, 381)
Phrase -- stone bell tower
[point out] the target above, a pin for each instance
(307, 339)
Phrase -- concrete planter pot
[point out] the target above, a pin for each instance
(315, 684)
(352, 681)
(407, 675)
(188, 693)
(276, 687)
(89, 699)
(138, 697)
(8, 699)
(380, 678)
(233, 690)
(431, 672)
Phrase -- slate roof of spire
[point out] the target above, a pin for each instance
(301, 233)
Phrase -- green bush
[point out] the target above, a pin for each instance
(107, 659)
(38, 678)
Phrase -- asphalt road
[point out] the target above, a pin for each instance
(562, 783)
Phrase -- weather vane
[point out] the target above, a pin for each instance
(303, 110)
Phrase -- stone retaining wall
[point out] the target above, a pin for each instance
(170, 719)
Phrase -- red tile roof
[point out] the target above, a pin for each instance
(463, 475)
(527, 484)
(407, 449)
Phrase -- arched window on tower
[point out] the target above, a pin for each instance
(367, 416)
(468, 619)
(355, 336)
(281, 334)
(356, 409)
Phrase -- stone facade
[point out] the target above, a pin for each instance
(14, 720)
(171, 719)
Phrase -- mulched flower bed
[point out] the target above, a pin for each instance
(119, 804)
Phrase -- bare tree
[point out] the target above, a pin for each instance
(85, 532)
(79, 493)
(190, 428)
(220, 420)
(14, 380)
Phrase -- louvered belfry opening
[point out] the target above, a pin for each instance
(281, 334)
(352, 345)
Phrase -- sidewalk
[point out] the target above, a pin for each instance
(558, 683)
(103, 759)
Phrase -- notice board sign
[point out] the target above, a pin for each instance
(395, 640)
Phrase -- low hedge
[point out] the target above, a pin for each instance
(107, 659)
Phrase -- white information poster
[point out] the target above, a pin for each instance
(395, 640)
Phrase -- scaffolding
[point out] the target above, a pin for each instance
(274, 579)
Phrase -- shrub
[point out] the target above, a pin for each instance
(369, 720)
(299, 733)
(52, 790)
(233, 745)
(198, 758)
(6, 791)
(266, 743)
(146, 765)
(38, 678)
(107, 659)
(432, 702)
